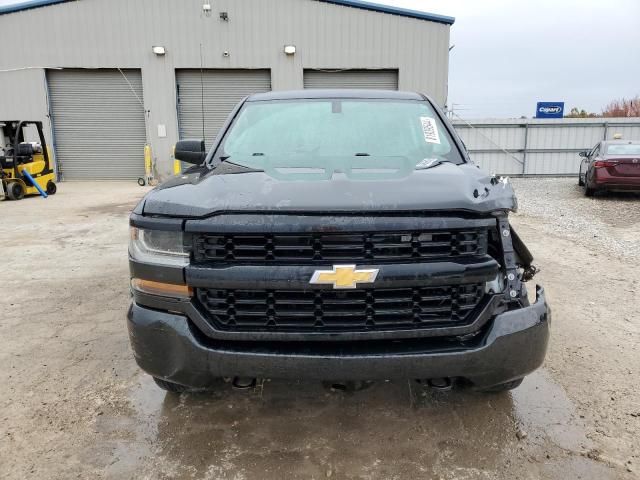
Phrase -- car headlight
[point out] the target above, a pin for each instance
(159, 246)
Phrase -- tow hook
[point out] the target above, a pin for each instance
(347, 386)
(243, 383)
(442, 384)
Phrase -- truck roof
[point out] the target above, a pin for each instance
(334, 93)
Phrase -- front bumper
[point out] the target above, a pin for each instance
(169, 346)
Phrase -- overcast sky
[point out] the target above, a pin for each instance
(509, 54)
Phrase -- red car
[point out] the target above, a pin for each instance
(612, 165)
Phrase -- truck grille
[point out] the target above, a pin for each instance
(346, 310)
(351, 247)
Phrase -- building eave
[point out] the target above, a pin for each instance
(28, 5)
(375, 7)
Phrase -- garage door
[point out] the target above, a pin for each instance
(377, 79)
(210, 96)
(98, 123)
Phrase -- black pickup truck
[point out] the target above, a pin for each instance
(333, 235)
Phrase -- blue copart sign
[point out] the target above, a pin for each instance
(550, 110)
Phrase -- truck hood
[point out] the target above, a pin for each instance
(443, 187)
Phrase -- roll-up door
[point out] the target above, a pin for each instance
(98, 123)
(375, 79)
(209, 96)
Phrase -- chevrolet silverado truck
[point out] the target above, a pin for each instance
(333, 235)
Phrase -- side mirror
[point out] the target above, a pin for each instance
(584, 154)
(190, 151)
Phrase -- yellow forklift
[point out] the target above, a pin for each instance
(26, 167)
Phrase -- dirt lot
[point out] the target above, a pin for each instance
(74, 404)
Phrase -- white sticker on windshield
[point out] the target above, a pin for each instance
(430, 130)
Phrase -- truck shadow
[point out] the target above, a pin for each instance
(390, 430)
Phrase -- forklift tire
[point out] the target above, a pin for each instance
(15, 191)
(141, 182)
(51, 188)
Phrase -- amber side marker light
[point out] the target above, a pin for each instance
(160, 288)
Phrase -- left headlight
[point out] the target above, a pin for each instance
(158, 246)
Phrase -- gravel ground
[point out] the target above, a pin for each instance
(610, 222)
(75, 405)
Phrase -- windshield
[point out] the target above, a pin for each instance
(623, 149)
(338, 134)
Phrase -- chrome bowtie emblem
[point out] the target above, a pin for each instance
(344, 276)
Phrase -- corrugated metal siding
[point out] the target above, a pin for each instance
(110, 33)
(376, 79)
(213, 93)
(98, 123)
(95, 33)
(538, 147)
(15, 106)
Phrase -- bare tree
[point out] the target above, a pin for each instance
(623, 108)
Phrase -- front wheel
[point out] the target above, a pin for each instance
(141, 182)
(503, 387)
(580, 180)
(51, 188)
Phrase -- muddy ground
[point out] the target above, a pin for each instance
(73, 404)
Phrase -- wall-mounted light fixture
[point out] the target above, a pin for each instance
(224, 16)
(158, 50)
(290, 49)
(206, 8)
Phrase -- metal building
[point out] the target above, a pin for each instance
(114, 75)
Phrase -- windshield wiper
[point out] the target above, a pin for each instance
(225, 158)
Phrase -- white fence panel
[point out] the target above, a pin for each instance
(538, 147)
(499, 163)
(556, 163)
(488, 138)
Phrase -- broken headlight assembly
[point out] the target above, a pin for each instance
(159, 246)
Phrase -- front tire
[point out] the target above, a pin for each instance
(503, 387)
(51, 188)
(170, 386)
(580, 180)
